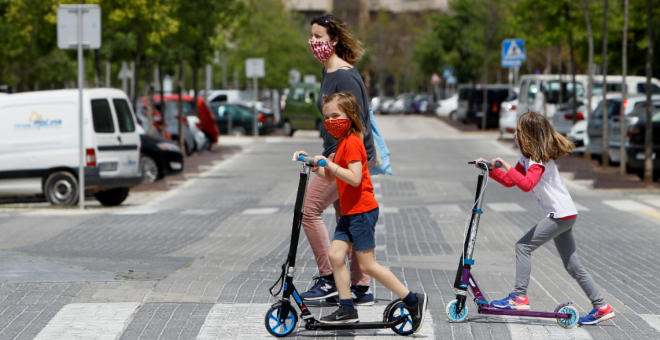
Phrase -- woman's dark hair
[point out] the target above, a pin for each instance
(348, 47)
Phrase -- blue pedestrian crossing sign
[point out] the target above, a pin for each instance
(513, 52)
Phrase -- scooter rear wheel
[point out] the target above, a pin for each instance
(450, 310)
(272, 321)
(399, 309)
(571, 322)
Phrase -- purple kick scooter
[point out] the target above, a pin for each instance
(566, 315)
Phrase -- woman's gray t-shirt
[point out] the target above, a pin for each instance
(346, 80)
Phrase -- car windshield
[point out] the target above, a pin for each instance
(172, 109)
(512, 96)
(554, 89)
(464, 94)
(640, 113)
(613, 109)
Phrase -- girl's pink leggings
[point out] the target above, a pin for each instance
(319, 197)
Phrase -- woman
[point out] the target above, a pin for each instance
(334, 46)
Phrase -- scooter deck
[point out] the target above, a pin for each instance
(485, 309)
(358, 325)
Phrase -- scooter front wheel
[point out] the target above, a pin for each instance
(571, 322)
(452, 315)
(273, 324)
(397, 310)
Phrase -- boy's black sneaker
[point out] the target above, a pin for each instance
(418, 311)
(341, 315)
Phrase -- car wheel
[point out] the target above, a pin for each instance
(238, 131)
(61, 188)
(452, 115)
(189, 149)
(112, 197)
(150, 170)
(208, 143)
(287, 128)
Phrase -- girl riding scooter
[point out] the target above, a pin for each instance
(536, 171)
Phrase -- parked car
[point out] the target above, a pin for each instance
(384, 107)
(376, 103)
(300, 111)
(39, 145)
(578, 135)
(635, 148)
(202, 143)
(207, 121)
(614, 131)
(508, 114)
(159, 157)
(447, 107)
(464, 93)
(559, 88)
(595, 123)
(402, 104)
(420, 103)
(170, 123)
(496, 94)
(242, 118)
(562, 121)
(267, 122)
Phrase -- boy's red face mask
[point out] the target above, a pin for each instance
(338, 128)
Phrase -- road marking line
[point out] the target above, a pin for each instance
(260, 211)
(89, 321)
(137, 211)
(652, 213)
(388, 210)
(198, 211)
(652, 320)
(580, 207)
(627, 205)
(506, 207)
(445, 208)
(246, 321)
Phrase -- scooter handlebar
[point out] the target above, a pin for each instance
(498, 164)
(310, 160)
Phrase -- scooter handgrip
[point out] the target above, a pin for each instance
(498, 164)
(306, 159)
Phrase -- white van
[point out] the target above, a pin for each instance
(39, 150)
(531, 96)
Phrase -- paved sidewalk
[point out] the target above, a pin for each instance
(196, 262)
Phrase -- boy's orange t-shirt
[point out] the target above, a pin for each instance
(359, 199)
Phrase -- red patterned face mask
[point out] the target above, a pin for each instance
(338, 128)
(321, 49)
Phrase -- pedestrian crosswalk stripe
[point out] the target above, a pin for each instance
(580, 207)
(198, 212)
(652, 320)
(260, 211)
(506, 207)
(627, 205)
(246, 321)
(89, 321)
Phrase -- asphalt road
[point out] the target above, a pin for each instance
(195, 262)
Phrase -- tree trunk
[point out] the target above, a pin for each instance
(150, 98)
(180, 99)
(195, 89)
(572, 51)
(162, 99)
(624, 89)
(591, 57)
(136, 71)
(648, 164)
(484, 104)
(561, 76)
(99, 69)
(606, 117)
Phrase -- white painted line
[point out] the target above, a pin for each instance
(653, 201)
(445, 208)
(652, 320)
(580, 207)
(139, 211)
(506, 207)
(378, 195)
(260, 211)
(376, 185)
(388, 210)
(627, 205)
(198, 211)
(89, 321)
(246, 321)
(274, 139)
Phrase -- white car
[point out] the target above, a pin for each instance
(447, 107)
(508, 116)
(194, 124)
(578, 135)
(39, 145)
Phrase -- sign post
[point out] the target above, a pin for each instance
(513, 54)
(78, 27)
(255, 68)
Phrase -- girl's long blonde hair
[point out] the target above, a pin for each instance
(348, 104)
(539, 141)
